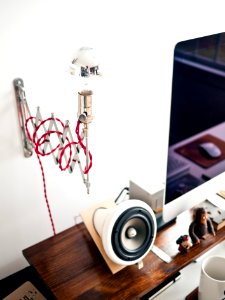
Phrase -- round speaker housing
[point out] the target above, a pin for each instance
(127, 230)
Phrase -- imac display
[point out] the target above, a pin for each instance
(196, 149)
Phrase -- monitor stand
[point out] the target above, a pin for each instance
(161, 224)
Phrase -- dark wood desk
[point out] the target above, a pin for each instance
(73, 268)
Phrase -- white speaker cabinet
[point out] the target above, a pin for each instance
(124, 233)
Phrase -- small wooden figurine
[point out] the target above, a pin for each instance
(184, 243)
(200, 226)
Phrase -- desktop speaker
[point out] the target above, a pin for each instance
(127, 230)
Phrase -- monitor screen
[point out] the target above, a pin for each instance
(196, 148)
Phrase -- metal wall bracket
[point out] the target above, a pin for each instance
(23, 115)
(41, 144)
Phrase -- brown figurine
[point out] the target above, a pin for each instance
(200, 226)
(184, 243)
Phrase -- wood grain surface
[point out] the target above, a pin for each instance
(73, 268)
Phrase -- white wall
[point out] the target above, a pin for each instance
(128, 137)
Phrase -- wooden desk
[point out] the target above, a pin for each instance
(73, 268)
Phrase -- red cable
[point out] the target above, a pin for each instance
(45, 138)
(45, 194)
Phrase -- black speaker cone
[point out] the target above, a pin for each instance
(133, 233)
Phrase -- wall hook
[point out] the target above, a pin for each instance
(23, 114)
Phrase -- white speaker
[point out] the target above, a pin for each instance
(127, 230)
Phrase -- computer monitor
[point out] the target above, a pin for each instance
(197, 124)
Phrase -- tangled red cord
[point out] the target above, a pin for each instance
(45, 138)
(38, 142)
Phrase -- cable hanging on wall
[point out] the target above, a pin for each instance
(51, 136)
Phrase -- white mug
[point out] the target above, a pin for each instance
(212, 279)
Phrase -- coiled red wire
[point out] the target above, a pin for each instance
(38, 142)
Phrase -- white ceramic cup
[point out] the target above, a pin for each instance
(212, 279)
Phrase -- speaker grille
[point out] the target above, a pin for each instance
(133, 233)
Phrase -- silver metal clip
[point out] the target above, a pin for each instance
(23, 115)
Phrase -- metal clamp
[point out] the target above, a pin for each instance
(23, 114)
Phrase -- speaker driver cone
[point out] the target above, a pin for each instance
(127, 230)
(133, 233)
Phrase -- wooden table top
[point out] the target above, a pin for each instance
(73, 268)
